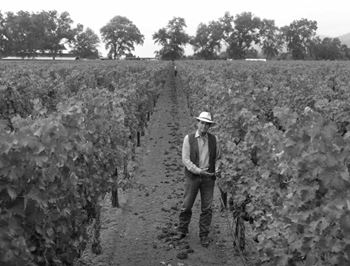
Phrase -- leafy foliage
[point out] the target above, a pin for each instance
(85, 43)
(271, 38)
(56, 165)
(299, 36)
(25, 34)
(120, 36)
(172, 38)
(279, 125)
(245, 34)
(207, 42)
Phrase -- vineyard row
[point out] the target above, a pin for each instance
(284, 128)
(66, 132)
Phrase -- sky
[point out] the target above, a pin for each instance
(149, 16)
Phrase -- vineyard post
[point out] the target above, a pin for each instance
(138, 139)
(96, 244)
(126, 174)
(115, 201)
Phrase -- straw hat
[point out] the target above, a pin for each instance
(205, 117)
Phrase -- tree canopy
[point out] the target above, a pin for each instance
(244, 35)
(270, 38)
(208, 40)
(57, 30)
(85, 43)
(172, 37)
(299, 36)
(27, 34)
(120, 36)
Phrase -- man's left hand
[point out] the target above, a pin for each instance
(218, 173)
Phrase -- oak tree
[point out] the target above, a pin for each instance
(172, 37)
(245, 33)
(208, 40)
(85, 43)
(299, 36)
(58, 31)
(270, 38)
(120, 36)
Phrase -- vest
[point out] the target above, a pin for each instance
(194, 153)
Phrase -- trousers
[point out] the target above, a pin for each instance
(193, 185)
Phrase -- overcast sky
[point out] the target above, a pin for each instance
(149, 16)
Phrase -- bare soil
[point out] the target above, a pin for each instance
(140, 232)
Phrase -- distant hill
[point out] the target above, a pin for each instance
(345, 39)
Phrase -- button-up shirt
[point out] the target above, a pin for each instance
(203, 150)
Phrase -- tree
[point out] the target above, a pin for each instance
(27, 34)
(41, 26)
(270, 38)
(17, 34)
(328, 49)
(3, 37)
(24, 34)
(85, 43)
(53, 31)
(207, 42)
(244, 35)
(120, 36)
(299, 36)
(345, 51)
(226, 23)
(172, 38)
(57, 31)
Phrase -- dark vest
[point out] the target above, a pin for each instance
(194, 152)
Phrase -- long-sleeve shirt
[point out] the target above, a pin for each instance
(203, 149)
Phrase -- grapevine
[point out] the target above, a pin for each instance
(64, 134)
(284, 129)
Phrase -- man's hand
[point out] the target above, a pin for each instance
(218, 173)
(205, 173)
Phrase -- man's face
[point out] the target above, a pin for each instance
(203, 127)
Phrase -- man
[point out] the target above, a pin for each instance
(200, 152)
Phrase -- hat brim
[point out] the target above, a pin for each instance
(205, 120)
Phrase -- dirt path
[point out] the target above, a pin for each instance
(139, 233)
